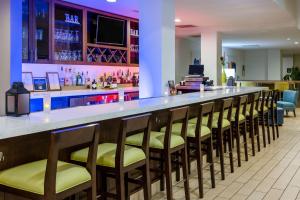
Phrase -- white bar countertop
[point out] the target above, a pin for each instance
(38, 95)
(42, 121)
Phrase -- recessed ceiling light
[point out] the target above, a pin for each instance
(296, 42)
(288, 39)
(111, 1)
(177, 20)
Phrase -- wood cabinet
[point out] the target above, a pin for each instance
(36, 32)
(58, 32)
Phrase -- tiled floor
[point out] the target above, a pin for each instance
(274, 173)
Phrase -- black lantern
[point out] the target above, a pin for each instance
(17, 100)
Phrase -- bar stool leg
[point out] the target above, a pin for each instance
(268, 127)
(189, 157)
(264, 130)
(91, 194)
(251, 129)
(199, 167)
(168, 172)
(256, 132)
(103, 185)
(177, 161)
(244, 132)
(210, 159)
(238, 144)
(120, 186)
(162, 178)
(185, 173)
(230, 150)
(273, 123)
(220, 149)
(147, 181)
(276, 120)
(127, 196)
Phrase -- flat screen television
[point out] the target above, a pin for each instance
(196, 70)
(111, 31)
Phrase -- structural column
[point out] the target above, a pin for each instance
(157, 46)
(11, 46)
(211, 51)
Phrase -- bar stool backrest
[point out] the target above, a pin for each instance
(206, 109)
(225, 105)
(275, 98)
(241, 107)
(140, 123)
(66, 138)
(253, 99)
(176, 115)
(265, 96)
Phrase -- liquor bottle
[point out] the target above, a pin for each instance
(62, 77)
(78, 80)
(74, 77)
(94, 85)
(83, 79)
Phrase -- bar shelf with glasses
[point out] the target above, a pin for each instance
(68, 34)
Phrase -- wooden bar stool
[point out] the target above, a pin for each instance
(273, 113)
(116, 160)
(223, 132)
(51, 178)
(198, 134)
(264, 116)
(165, 144)
(221, 129)
(239, 126)
(253, 120)
(199, 137)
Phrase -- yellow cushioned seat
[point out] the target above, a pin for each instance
(156, 140)
(106, 155)
(265, 107)
(255, 113)
(191, 130)
(30, 177)
(214, 123)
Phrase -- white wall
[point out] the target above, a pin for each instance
(187, 49)
(211, 51)
(237, 56)
(256, 65)
(260, 64)
(287, 62)
(274, 64)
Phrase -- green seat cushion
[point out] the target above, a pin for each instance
(214, 123)
(191, 130)
(156, 140)
(255, 113)
(30, 177)
(107, 153)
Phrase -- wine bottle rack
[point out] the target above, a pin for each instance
(102, 55)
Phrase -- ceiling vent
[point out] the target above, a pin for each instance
(185, 26)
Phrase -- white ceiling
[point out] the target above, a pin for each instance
(243, 23)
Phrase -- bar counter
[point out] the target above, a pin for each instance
(11, 127)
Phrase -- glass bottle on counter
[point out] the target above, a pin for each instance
(83, 78)
(62, 77)
(78, 80)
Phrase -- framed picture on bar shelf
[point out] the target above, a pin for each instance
(53, 81)
(27, 79)
(40, 84)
